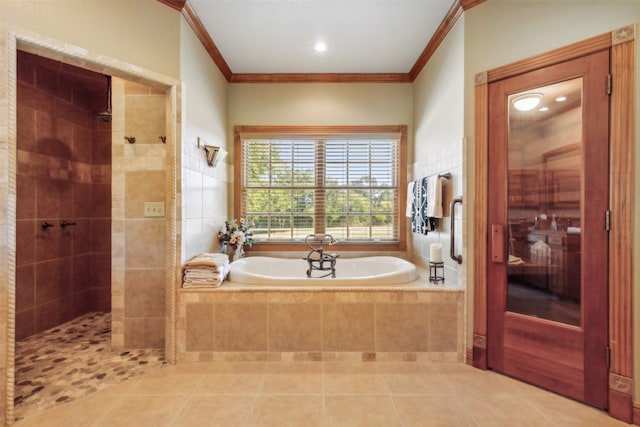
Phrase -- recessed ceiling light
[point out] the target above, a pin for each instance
(544, 109)
(561, 98)
(320, 47)
(526, 101)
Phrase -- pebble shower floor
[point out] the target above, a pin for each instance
(73, 360)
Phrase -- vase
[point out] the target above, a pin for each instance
(238, 253)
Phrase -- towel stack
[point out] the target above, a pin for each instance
(207, 270)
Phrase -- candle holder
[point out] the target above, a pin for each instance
(436, 272)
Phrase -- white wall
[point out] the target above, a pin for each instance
(439, 123)
(499, 32)
(204, 189)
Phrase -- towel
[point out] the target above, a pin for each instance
(434, 198)
(420, 222)
(208, 260)
(540, 253)
(207, 270)
(410, 199)
(514, 260)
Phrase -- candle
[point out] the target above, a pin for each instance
(435, 252)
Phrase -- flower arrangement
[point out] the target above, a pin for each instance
(236, 234)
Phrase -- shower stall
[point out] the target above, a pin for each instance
(63, 208)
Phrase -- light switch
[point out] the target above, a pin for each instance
(153, 209)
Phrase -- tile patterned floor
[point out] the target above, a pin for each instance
(71, 361)
(323, 394)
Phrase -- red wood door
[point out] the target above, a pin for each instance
(547, 260)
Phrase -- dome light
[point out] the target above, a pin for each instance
(320, 47)
(527, 101)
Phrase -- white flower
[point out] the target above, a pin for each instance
(237, 237)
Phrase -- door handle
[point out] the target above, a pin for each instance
(452, 243)
(497, 243)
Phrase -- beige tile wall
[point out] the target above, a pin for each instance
(139, 242)
(226, 324)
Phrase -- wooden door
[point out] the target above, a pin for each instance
(547, 258)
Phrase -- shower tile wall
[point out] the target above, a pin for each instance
(63, 173)
(139, 176)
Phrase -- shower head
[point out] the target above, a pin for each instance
(105, 116)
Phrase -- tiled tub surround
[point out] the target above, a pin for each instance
(63, 173)
(409, 322)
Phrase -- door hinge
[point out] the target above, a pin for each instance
(607, 220)
(607, 355)
(609, 78)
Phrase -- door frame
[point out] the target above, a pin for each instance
(621, 43)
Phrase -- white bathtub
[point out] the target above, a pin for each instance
(374, 270)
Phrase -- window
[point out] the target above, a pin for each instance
(345, 181)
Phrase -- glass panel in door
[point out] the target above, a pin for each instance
(544, 198)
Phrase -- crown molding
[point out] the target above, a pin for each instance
(201, 33)
(175, 4)
(456, 10)
(321, 78)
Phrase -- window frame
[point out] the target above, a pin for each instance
(397, 131)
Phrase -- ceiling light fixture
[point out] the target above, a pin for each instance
(527, 101)
(320, 47)
(544, 109)
(561, 99)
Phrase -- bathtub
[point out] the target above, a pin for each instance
(373, 270)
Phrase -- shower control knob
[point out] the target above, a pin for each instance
(46, 225)
(64, 224)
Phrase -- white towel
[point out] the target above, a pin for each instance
(434, 197)
(540, 253)
(410, 199)
(211, 260)
(207, 270)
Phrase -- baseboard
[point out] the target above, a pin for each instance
(636, 413)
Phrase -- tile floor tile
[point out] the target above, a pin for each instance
(354, 384)
(301, 383)
(201, 411)
(303, 394)
(231, 383)
(143, 411)
(432, 411)
(287, 411)
(431, 384)
(360, 411)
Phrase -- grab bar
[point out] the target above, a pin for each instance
(452, 252)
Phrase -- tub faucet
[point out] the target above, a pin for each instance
(317, 259)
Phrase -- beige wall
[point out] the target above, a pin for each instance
(204, 207)
(317, 104)
(499, 32)
(321, 104)
(145, 33)
(438, 105)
